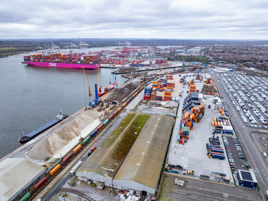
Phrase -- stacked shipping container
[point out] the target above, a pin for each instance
(147, 93)
(187, 122)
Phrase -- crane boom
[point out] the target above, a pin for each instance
(89, 92)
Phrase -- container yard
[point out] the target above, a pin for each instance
(128, 158)
(193, 131)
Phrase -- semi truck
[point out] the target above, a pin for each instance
(75, 167)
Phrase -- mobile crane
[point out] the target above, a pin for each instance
(114, 78)
(96, 100)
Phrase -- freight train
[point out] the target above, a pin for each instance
(76, 150)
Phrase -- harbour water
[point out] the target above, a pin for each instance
(33, 96)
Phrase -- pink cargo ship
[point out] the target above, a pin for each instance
(71, 60)
(61, 65)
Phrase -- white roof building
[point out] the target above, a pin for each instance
(17, 175)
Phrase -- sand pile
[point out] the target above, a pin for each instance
(65, 138)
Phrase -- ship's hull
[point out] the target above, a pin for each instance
(114, 65)
(35, 133)
(61, 65)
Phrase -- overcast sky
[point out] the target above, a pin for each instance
(174, 19)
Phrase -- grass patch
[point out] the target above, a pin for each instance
(111, 139)
(118, 153)
(47, 158)
(138, 123)
(201, 58)
(129, 137)
(8, 48)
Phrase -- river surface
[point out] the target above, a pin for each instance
(32, 96)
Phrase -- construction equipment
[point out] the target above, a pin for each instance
(190, 172)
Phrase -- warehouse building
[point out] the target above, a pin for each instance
(131, 164)
(103, 164)
(247, 178)
(142, 167)
(17, 175)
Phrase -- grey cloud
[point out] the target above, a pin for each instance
(139, 18)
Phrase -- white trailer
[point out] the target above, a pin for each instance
(75, 167)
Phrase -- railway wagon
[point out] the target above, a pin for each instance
(93, 133)
(106, 121)
(119, 109)
(76, 149)
(55, 169)
(67, 158)
(85, 140)
(111, 117)
(40, 183)
(115, 113)
(100, 127)
(25, 197)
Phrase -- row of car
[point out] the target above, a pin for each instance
(229, 154)
(237, 86)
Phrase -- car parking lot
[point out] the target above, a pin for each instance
(249, 96)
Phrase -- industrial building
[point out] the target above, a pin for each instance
(247, 178)
(17, 175)
(103, 164)
(142, 167)
(136, 167)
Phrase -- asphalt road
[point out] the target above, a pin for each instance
(56, 189)
(243, 133)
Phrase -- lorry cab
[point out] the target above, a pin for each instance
(264, 154)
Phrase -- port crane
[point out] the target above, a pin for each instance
(113, 77)
(96, 100)
(183, 60)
